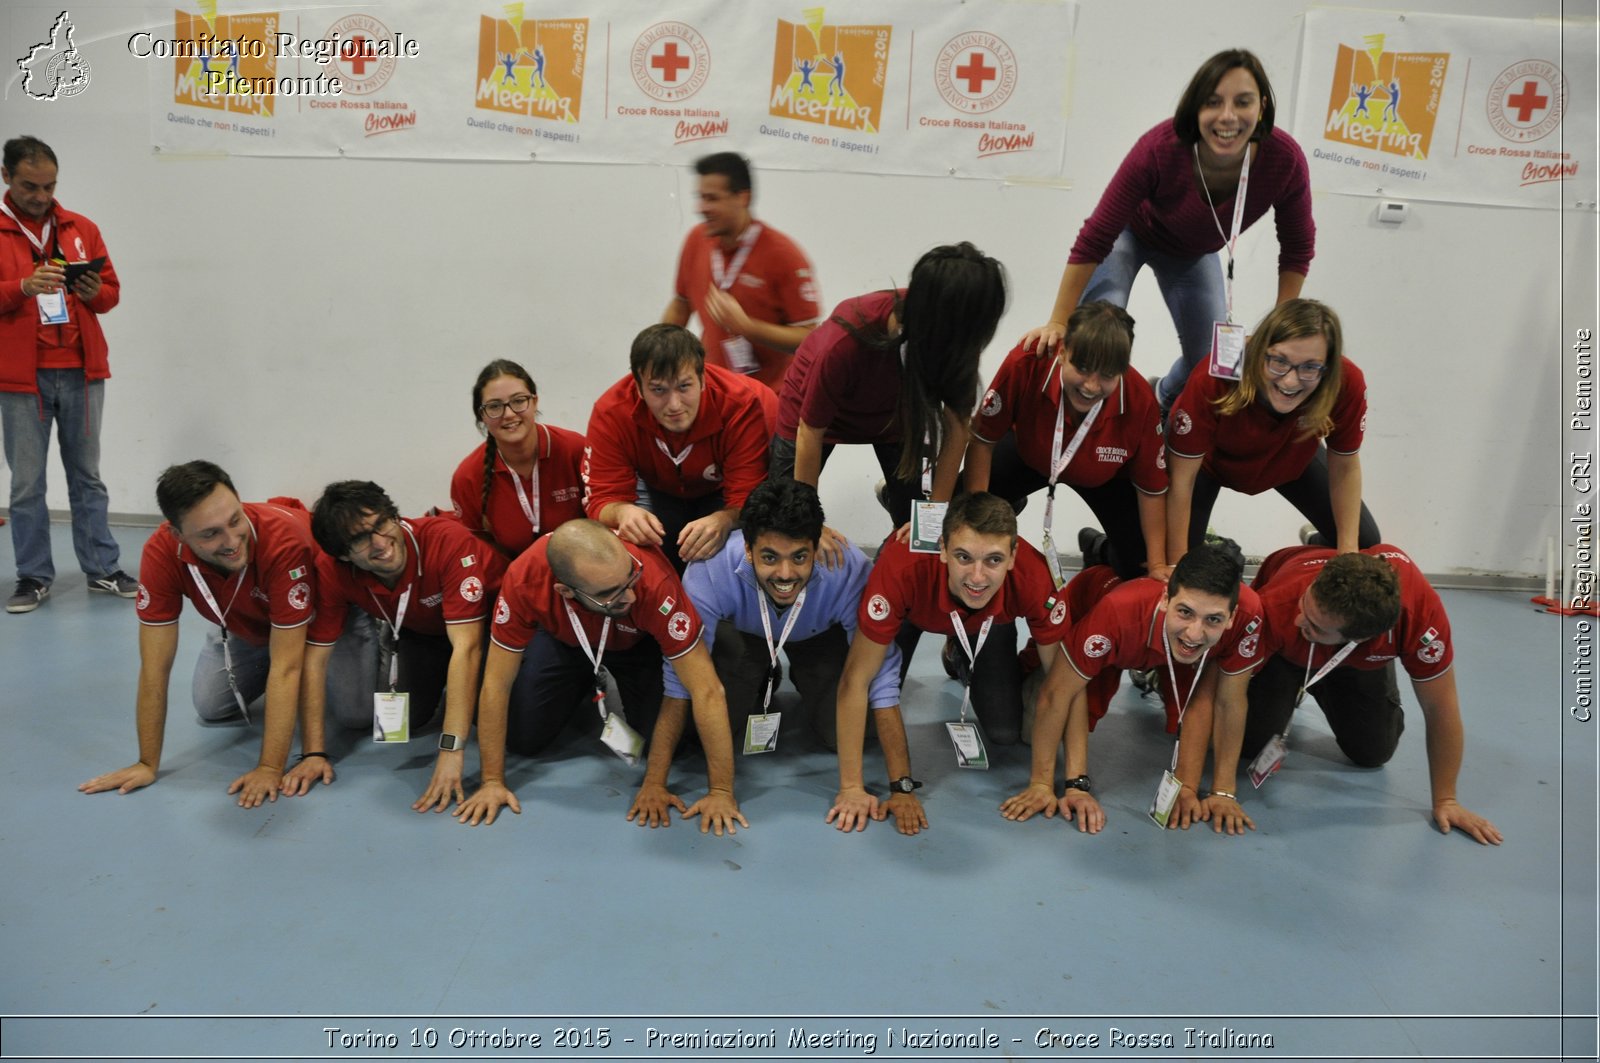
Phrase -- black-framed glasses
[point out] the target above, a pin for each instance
(1308, 372)
(361, 542)
(609, 602)
(495, 409)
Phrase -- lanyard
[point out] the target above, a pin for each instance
(783, 636)
(529, 510)
(1172, 675)
(1059, 460)
(927, 442)
(38, 242)
(1238, 213)
(971, 650)
(676, 459)
(725, 275)
(595, 654)
(1333, 662)
(400, 609)
(222, 622)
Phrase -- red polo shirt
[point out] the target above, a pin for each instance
(557, 482)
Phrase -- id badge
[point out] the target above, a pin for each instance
(740, 354)
(1166, 798)
(761, 732)
(927, 524)
(621, 739)
(970, 752)
(1227, 350)
(52, 307)
(391, 716)
(1268, 761)
(1052, 560)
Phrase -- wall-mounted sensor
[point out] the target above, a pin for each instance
(1391, 212)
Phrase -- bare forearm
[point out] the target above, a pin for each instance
(283, 692)
(1289, 285)
(892, 738)
(808, 454)
(1344, 490)
(1074, 279)
(664, 740)
(1153, 525)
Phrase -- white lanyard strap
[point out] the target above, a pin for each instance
(1060, 459)
(222, 622)
(1333, 662)
(39, 242)
(596, 653)
(1238, 213)
(1172, 676)
(971, 650)
(529, 509)
(773, 649)
(678, 458)
(725, 274)
(395, 625)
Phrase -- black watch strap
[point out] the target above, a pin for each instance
(905, 785)
(1080, 782)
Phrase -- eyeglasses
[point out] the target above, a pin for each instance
(361, 542)
(609, 602)
(495, 409)
(1308, 372)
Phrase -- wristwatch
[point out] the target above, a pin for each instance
(1080, 782)
(905, 785)
(450, 743)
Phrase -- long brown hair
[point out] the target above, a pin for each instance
(494, 370)
(1290, 321)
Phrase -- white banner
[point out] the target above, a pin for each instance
(886, 86)
(1443, 107)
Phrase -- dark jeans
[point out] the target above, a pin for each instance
(674, 513)
(996, 679)
(1115, 504)
(556, 681)
(900, 493)
(815, 665)
(1308, 493)
(1362, 707)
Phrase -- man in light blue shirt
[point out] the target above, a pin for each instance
(764, 593)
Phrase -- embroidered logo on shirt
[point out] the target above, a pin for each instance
(713, 473)
(469, 560)
(1181, 422)
(297, 573)
(300, 594)
(1111, 455)
(472, 589)
(502, 611)
(878, 607)
(144, 598)
(1248, 644)
(667, 603)
(1059, 613)
(678, 626)
(991, 403)
(1096, 646)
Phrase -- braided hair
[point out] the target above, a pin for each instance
(498, 368)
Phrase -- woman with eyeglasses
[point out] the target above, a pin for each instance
(1293, 423)
(526, 479)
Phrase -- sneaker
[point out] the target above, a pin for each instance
(1307, 533)
(119, 583)
(1146, 680)
(948, 658)
(880, 491)
(26, 598)
(1092, 545)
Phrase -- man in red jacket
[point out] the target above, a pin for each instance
(55, 281)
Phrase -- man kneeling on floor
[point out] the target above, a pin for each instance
(247, 567)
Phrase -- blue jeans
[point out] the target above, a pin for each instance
(74, 404)
(1194, 292)
(352, 676)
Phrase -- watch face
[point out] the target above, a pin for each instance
(449, 742)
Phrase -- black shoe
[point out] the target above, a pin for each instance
(947, 657)
(1092, 545)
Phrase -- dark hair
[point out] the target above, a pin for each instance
(984, 513)
(1292, 320)
(788, 507)
(1099, 338)
(947, 316)
(493, 371)
(729, 164)
(180, 488)
(1210, 568)
(342, 508)
(25, 148)
(1186, 119)
(660, 352)
(1361, 590)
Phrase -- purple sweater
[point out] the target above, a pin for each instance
(1155, 193)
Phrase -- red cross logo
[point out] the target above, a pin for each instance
(1527, 101)
(358, 52)
(976, 72)
(669, 62)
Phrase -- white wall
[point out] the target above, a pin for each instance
(301, 321)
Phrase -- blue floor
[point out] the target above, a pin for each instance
(1345, 902)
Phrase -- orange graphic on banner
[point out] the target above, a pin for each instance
(217, 54)
(532, 67)
(1386, 101)
(829, 75)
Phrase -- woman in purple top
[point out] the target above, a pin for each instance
(1171, 206)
